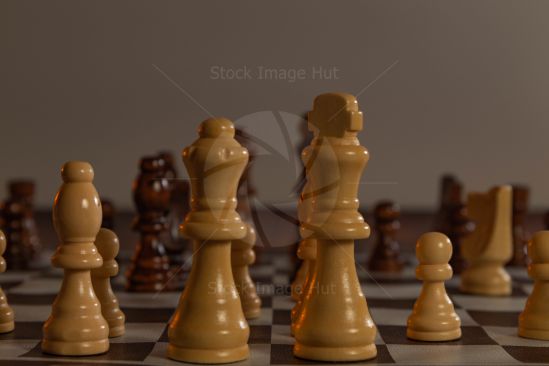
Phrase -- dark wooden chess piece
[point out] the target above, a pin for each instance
(456, 223)
(386, 254)
(19, 226)
(521, 236)
(109, 212)
(150, 267)
(175, 243)
(441, 219)
(546, 220)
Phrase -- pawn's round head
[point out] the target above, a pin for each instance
(433, 248)
(107, 244)
(216, 127)
(538, 247)
(2, 243)
(77, 171)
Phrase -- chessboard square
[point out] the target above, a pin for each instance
(399, 317)
(282, 264)
(281, 279)
(283, 303)
(391, 291)
(281, 334)
(264, 289)
(31, 299)
(440, 354)
(471, 335)
(262, 271)
(265, 318)
(391, 303)
(508, 336)
(140, 332)
(506, 303)
(266, 301)
(408, 275)
(16, 347)
(529, 354)
(11, 277)
(282, 317)
(517, 290)
(116, 352)
(24, 330)
(260, 334)
(495, 318)
(136, 315)
(32, 313)
(149, 300)
(282, 354)
(38, 286)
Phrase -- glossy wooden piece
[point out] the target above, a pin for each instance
(209, 325)
(109, 212)
(521, 236)
(307, 247)
(175, 243)
(150, 267)
(243, 256)
(17, 221)
(534, 320)
(490, 245)
(458, 226)
(76, 326)
(433, 317)
(335, 324)
(107, 245)
(7, 323)
(386, 254)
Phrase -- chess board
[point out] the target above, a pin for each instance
(489, 324)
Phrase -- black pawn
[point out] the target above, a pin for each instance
(521, 195)
(457, 224)
(150, 267)
(23, 243)
(386, 254)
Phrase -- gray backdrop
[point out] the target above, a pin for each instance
(447, 86)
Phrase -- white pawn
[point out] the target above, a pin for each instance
(433, 317)
(534, 320)
(107, 245)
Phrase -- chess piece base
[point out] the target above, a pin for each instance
(117, 331)
(252, 313)
(534, 334)
(7, 327)
(342, 354)
(208, 356)
(434, 336)
(75, 348)
(486, 279)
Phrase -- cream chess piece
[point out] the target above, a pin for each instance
(76, 326)
(534, 320)
(335, 324)
(296, 288)
(433, 317)
(107, 245)
(243, 255)
(6, 312)
(490, 245)
(209, 325)
(307, 246)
